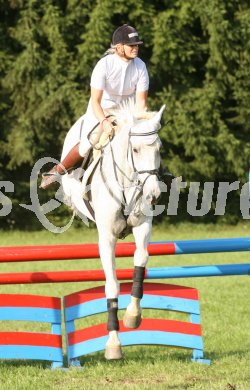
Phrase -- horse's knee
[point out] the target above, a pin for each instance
(141, 257)
(112, 289)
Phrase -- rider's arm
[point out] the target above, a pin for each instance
(141, 101)
(142, 88)
(96, 97)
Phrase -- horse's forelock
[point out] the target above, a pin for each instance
(127, 116)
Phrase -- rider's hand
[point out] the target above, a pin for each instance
(108, 127)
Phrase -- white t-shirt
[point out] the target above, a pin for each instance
(119, 79)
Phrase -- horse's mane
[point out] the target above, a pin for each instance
(127, 114)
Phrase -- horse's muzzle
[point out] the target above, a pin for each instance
(154, 200)
(151, 190)
(153, 197)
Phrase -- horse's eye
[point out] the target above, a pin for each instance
(135, 150)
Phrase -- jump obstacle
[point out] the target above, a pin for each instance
(32, 345)
(21, 345)
(152, 331)
(91, 251)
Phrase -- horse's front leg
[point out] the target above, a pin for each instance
(133, 314)
(107, 255)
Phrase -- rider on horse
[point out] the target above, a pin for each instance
(116, 77)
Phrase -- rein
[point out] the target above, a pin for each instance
(128, 207)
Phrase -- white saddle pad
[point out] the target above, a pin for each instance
(73, 195)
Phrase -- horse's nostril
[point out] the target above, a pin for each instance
(154, 200)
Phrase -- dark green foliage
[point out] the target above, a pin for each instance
(198, 56)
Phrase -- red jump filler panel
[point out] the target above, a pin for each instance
(32, 345)
(151, 331)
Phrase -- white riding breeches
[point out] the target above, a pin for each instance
(88, 124)
(79, 133)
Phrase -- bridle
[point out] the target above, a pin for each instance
(131, 134)
(135, 182)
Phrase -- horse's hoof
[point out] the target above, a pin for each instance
(113, 352)
(132, 322)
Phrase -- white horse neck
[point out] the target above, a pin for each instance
(119, 147)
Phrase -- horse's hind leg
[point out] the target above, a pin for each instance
(133, 315)
(107, 248)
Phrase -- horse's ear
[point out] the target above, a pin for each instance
(159, 113)
(161, 110)
(157, 118)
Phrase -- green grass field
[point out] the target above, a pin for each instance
(225, 317)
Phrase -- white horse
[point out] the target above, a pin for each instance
(124, 186)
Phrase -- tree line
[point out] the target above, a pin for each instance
(198, 58)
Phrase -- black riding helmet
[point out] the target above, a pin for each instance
(126, 35)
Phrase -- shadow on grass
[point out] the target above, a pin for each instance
(132, 355)
(146, 354)
(217, 356)
(24, 363)
(150, 355)
(155, 354)
(13, 363)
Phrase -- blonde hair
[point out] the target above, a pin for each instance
(111, 50)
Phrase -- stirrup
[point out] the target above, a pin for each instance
(49, 178)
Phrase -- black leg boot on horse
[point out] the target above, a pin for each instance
(113, 349)
(132, 318)
(72, 159)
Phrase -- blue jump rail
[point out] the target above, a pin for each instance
(198, 271)
(209, 246)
